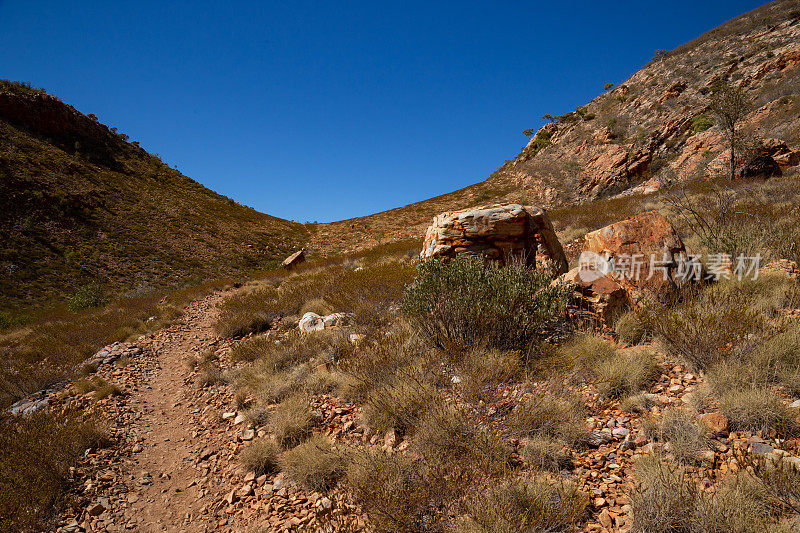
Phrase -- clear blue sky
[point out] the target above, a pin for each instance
(329, 110)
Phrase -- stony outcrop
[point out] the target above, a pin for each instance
(596, 297)
(313, 322)
(498, 233)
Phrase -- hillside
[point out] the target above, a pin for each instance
(651, 131)
(79, 205)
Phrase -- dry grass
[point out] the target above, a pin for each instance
(261, 456)
(757, 409)
(544, 453)
(399, 404)
(314, 464)
(291, 421)
(626, 373)
(543, 414)
(525, 504)
(35, 456)
(680, 430)
(629, 329)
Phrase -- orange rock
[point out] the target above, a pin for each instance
(716, 423)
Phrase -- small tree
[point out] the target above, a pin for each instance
(608, 86)
(528, 132)
(548, 117)
(730, 105)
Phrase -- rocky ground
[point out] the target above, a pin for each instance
(172, 464)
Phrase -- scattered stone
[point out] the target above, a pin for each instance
(716, 423)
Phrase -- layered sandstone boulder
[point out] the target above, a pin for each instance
(643, 253)
(497, 233)
(596, 295)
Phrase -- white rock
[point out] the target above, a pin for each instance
(311, 322)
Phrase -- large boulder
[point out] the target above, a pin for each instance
(762, 166)
(497, 233)
(642, 253)
(295, 259)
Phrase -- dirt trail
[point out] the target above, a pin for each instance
(168, 496)
(169, 468)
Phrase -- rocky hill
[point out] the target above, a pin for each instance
(647, 133)
(79, 204)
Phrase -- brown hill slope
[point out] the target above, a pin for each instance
(653, 130)
(79, 204)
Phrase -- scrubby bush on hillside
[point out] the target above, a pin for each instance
(314, 464)
(465, 303)
(626, 373)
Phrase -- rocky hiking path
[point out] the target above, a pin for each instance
(156, 476)
(172, 465)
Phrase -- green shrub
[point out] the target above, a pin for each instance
(314, 464)
(260, 456)
(701, 123)
(464, 303)
(522, 504)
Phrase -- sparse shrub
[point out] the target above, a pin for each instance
(546, 414)
(261, 456)
(291, 422)
(247, 313)
(522, 504)
(481, 368)
(629, 329)
(314, 464)
(710, 325)
(685, 435)
(399, 494)
(544, 453)
(585, 351)
(756, 409)
(464, 303)
(664, 499)
(637, 403)
(626, 373)
(447, 434)
(99, 386)
(740, 506)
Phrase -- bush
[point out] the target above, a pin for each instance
(544, 414)
(399, 404)
(685, 435)
(260, 456)
(483, 368)
(710, 325)
(247, 313)
(626, 373)
(291, 421)
(740, 506)
(522, 504)
(629, 329)
(314, 464)
(464, 303)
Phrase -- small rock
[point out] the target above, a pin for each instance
(716, 423)
(620, 432)
(598, 438)
(95, 509)
(760, 448)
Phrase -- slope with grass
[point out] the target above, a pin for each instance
(652, 131)
(81, 205)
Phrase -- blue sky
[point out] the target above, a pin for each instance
(330, 110)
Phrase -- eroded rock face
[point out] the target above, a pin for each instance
(644, 254)
(597, 295)
(497, 233)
